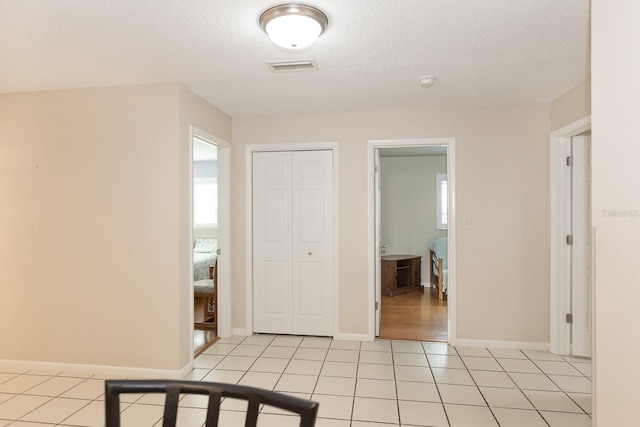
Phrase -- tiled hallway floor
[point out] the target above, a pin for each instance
(369, 384)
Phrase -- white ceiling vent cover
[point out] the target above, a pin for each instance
(299, 65)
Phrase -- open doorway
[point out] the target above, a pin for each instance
(413, 231)
(413, 222)
(205, 243)
(222, 233)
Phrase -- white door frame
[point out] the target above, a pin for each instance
(560, 280)
(377, 233)
(451, 232)
(224, 229)
(248, 168)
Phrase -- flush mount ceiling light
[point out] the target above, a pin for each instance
(293, 26)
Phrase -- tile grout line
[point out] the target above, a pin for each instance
(521, 391)
(50, 398)
(395, 381)
(478, 387)
(355, 383)
(559, 387)
(444, 408)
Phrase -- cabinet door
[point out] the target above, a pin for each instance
(388, 277)
(417, 272)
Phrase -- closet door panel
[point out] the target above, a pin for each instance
(311, 291)
(272, 268)
(274, 304)
(312, 238)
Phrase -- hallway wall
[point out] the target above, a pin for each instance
(503, 187)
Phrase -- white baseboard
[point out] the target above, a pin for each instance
(514, 345)
(352, 337)
(186, 370)
(101, 370)
(511, 345)
(238, 332)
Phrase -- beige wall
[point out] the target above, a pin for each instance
(408, 205)
(502, 186)
(616, 207)
(92, 226)
(194, 111)
(571, 106)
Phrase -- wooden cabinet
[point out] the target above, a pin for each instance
(400, 274)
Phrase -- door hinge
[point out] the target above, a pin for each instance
(570, 161)
(569, 318)
(376, 305)
(570, 240)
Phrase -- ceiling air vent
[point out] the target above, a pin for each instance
(300, 65)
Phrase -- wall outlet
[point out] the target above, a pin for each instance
(466, 222)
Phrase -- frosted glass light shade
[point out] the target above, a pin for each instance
(293, 26)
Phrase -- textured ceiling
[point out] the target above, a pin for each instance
(483, 52)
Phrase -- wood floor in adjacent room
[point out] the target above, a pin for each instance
(414, 316)
(202, 339)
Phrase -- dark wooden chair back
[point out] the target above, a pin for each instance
(306, 409)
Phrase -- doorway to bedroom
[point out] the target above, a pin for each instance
(205, 243)
(411, 209)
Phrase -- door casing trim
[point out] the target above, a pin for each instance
(224, 229)
(450, 143)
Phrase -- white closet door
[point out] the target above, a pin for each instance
(293, 242)
(272, 269)
(312, 242)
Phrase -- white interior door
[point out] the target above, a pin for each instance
(272, 245)
(293, 241)
(581, 330)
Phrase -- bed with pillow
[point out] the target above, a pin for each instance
(204, 256)
(438, 265)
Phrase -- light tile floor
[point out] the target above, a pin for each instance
(369, 384)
